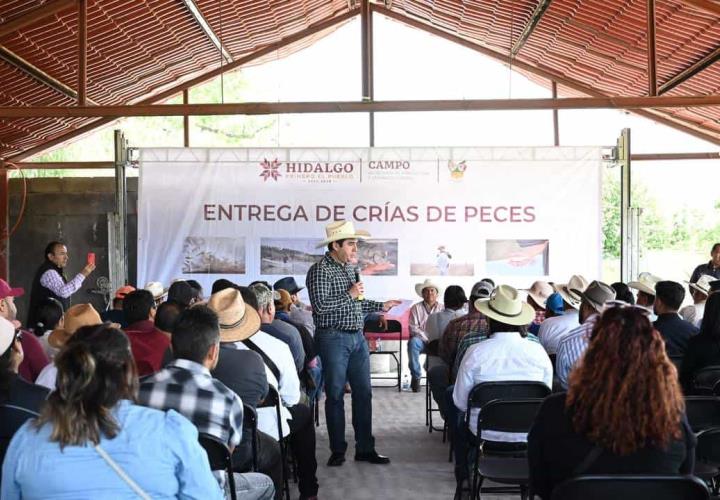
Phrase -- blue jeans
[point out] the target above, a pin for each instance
(415, 346)
(345, 357)
(317, 377)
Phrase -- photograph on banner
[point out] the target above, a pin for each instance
(289, 256)
(443, 261)
(378, 257)
(213, 255)
(517, 257)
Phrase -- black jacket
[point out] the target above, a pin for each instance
(676, 332)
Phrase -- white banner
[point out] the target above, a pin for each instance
(512, 214)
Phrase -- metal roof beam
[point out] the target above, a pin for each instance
(33, 71)
(691, 71)
(205, 27)
(534, 21)
(47, 9)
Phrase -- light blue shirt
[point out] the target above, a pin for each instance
(572, 348)
(158, 450)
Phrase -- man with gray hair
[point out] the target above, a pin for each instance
(275, 327)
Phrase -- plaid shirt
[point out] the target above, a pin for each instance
(52, 280)
(572, 348)
(471, 339)
(328, 283)
(188, 388)
(456, 330)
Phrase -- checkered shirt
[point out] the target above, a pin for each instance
(328, 283)
(188, 388)
(456, 330)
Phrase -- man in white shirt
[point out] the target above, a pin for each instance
(506, 355)
(699, 292)
(554, 330)
(419, 313)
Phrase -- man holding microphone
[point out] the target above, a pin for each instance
(339, 309)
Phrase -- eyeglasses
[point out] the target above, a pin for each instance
(611, 304)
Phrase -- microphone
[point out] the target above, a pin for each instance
(357, 279)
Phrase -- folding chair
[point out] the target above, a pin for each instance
(273, 399)
(503, 462)
(220, 458)
(429, 410)
(250, 423)
(619, 487)
(373, 332)
(11, 419)
(703, 412)
(705, 379)
(707, 458)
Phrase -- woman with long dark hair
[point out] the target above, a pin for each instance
(623, 412)
(91, 441)
(704, 348)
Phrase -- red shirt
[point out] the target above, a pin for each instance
(148, 346)
(35, 358)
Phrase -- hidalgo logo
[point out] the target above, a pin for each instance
(270, 169)
(457, 169)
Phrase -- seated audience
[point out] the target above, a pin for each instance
(181, 292)
(166, 316)
(187, 387)
(645, 287)
(277, 328)
(699, 292)
(19, 400)
(555, 329)
(115, 314)
(574, 344)
(197, 291)
(158, 292)
(675, 331)
(91, 441)
(623, 292)
(148, 343)
(537, 298)
(222, 284)
(240, 323)
(35, 358)
(623, 412)
(419, 313)
(74, 318)
(299, 312)
(506, 355)
(48, 317)
(703, 349)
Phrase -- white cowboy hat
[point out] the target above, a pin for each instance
(703, 284)
(428, 283)
(342, 230)
(568, 291)
(540, 291)
(157, 289)
(506, 307)
(645, 283)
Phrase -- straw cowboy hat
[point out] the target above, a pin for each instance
(428, 283)
(645, 283)
(238, 321)
(75, 318)
(157, 289)
(539, 292)
(506, 307)
(596, 294)
(568, 291)
(342, 230)
(703, 284)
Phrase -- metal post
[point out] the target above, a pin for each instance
(4, 224)
(82, 52)
(623, 148)
(186, 120)
(556, 124)
(368, 90)
(634, 216)
(118, 251)
(652, 77)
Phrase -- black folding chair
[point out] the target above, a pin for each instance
(250, 423)
(482, 394)
(705, 379)
(11, 419)
(220, 458)
(703, 412)
(393, 332)
(273, 399)
(618, 487)
(503, 462)
(707, 458)
(429, 410)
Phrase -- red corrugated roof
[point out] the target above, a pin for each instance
(138, 48)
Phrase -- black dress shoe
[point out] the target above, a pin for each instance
(372, 457)
(336, 459)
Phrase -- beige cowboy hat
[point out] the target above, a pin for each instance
(428, 283)
(539, 292)
(645, 283)
(75, 318)
(568, 291)
(596, 294)
(342, 230)
(703, 284)
(506, 306)
(157, 289)
(238, 321)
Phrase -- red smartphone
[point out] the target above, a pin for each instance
(91, 258)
